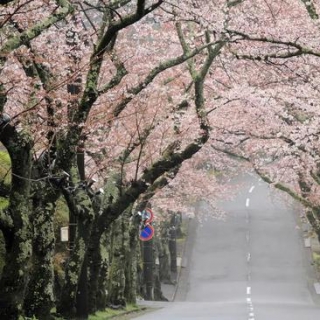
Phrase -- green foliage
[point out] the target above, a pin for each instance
(3, 202)
(5, 165)
(61, 219)
(110, 313)
(316, 259)
(311, 9)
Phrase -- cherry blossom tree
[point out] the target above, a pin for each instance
(137, 88)
(48, 114)
(272, 116)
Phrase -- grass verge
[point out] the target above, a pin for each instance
(316, 260)
(114, 314)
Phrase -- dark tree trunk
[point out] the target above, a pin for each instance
(101, 296)
(164, 253)
(14, 278)
(79, 203)
(18, 237)
(95, 265)
(98, 254)
(99, 248)
(67, 303)
(173, 250)
(173, 244)
(40, 297)
(131, 271)
(82, 293)
(116, 279)
(158, 295)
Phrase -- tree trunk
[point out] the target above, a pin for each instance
(99, 248)
(173, 244)
(14, 278)
(40, 297)
(82, 292)
(18, 238)
(116, 279)
(132, 263)
(158, 295)
(102, 293)
(164, 253)
(67, 303)
(98, 263)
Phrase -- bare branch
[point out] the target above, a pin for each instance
(155, 71)
(300, 50)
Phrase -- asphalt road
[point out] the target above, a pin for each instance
(251, 266)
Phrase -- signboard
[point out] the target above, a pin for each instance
(146, 233)
(147, 215)
(64, 234)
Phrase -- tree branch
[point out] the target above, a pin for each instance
(300, 50)
(154, 72)
(91, 92)
(25, 37)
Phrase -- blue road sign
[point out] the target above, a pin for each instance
(146, 233)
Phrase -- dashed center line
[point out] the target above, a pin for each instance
(251, 189)
(247, 202)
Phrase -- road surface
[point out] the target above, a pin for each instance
(251, 266)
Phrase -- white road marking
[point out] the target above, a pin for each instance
(251, 314)
(248, 257)
(251, 189)
(248, 290)
(249, 300)
(247, 202)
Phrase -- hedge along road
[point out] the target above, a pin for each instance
(251, 266)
